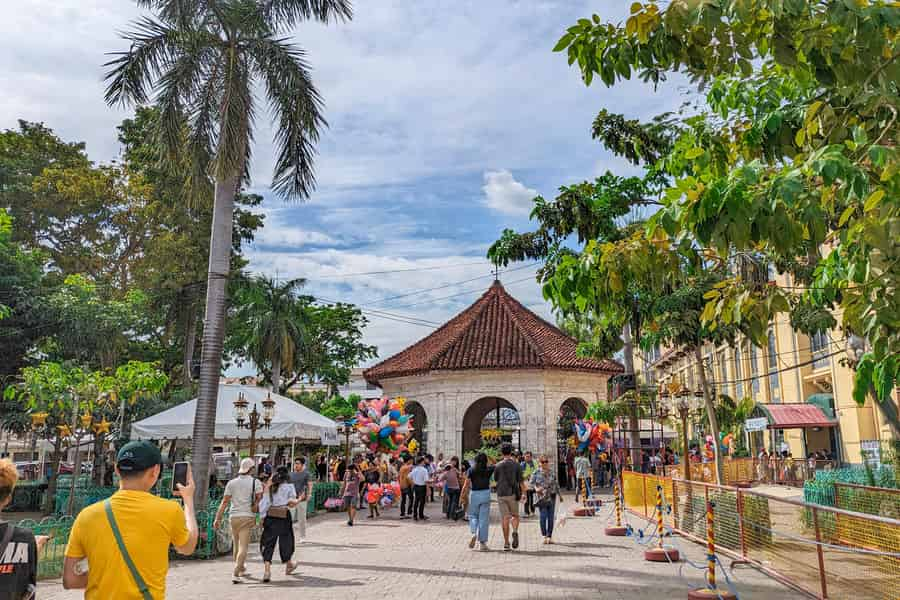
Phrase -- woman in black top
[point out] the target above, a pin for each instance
(478, 483)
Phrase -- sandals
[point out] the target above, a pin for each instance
(290, 567)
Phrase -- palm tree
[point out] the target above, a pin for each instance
(202, 59)
(270, 323)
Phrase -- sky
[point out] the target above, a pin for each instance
(445, 120)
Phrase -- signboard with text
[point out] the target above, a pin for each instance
(757, 424)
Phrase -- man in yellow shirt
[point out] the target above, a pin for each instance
(148, 525)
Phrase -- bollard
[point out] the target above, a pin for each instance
(710, 591)
(618, 530)
(584, 510)
(660, 554)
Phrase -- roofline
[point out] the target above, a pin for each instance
(419, 372)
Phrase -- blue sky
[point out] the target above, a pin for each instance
(446, 118)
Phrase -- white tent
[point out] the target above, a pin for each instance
(292, 420)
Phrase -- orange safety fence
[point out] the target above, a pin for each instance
(826, 552)
(787, 471)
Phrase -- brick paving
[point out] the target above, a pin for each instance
(390, 558)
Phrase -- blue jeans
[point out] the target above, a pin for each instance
(480, 513)
(547, 514)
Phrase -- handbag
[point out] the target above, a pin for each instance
(141, 584)
(278, 512)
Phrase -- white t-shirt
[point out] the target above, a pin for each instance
(241, 490)
(419, 475)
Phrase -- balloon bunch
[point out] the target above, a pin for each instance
(606, 437)
(383, 425)
(389, 494)
(588, 434)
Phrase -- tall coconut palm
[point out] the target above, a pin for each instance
(200, 61)
(270, 323)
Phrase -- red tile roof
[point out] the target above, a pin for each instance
(496, 332)
(794, 416)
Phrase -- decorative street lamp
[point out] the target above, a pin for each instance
(683, 402)
(345, 426)
(254, 420)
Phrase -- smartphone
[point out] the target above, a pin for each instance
(179, 475)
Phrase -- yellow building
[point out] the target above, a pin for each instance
(792, 371)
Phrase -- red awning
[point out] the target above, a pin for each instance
(794, 416)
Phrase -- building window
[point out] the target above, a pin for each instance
(738, 372)
(754, 369)
(818, 347)
(774, 390)
(723, 374)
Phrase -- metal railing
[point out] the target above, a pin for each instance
(823, 551)
(786, 471)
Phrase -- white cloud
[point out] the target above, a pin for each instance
(506, 195)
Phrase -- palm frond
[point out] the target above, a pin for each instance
(288, 13)
(235, 124)
(298, 109)
(153, 47)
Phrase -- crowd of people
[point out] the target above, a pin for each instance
(123, 543)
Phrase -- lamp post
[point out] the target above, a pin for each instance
(683, 402)
(253, 420)
(346, 428)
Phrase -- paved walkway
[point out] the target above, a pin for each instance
(389, 558)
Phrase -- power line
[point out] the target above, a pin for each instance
(440, 287)
(472, 291)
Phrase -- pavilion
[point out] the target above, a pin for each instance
(496, 368)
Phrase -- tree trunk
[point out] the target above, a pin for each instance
(54, 476)
(99, 459)
(190, 340)
(711, 414)
(213, 334)
(634, 436)
(276, 374)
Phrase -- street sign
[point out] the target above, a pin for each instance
(758, 424)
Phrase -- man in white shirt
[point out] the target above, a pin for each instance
(419, 477)
(242, 494)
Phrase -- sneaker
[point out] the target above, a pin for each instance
(515, 540)
(506, 547)
(237, 579)
(482, 547)
(349, 523)
(472, 541)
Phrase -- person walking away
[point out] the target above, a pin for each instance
(18, 546)
(582, 477)
(372, 479)
(547, 490)
(419, 477)
(528, 469)
(571, 481)
(300, 479)
(278, 498)
(603, 458)
(350, 491)
(241, 497)
(478, 488)
(510, 489)
(406, 488)
(449, 480)
(126, 538)
(432, 471)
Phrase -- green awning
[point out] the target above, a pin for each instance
(824, 402)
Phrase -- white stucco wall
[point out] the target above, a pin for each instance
(536, 394)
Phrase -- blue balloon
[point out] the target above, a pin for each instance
(385, 431)
(394, 414)
(402, 420)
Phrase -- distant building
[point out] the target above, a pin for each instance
(801, 384)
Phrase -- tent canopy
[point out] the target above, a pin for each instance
(291, 420)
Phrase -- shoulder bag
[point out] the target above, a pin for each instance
(141, 584)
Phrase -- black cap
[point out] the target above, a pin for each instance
(138, 456)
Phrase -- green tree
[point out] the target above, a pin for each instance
(67, 399)
(270, 324)
(23, 315)
(338, 406)
(203, 61)
(795, 159)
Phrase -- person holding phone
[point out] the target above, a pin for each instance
(242, 495)
(126, 538)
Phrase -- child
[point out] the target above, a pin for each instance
(373, 495)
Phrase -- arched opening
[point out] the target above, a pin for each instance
(420, 424)
(490, 421)
(570, 411)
